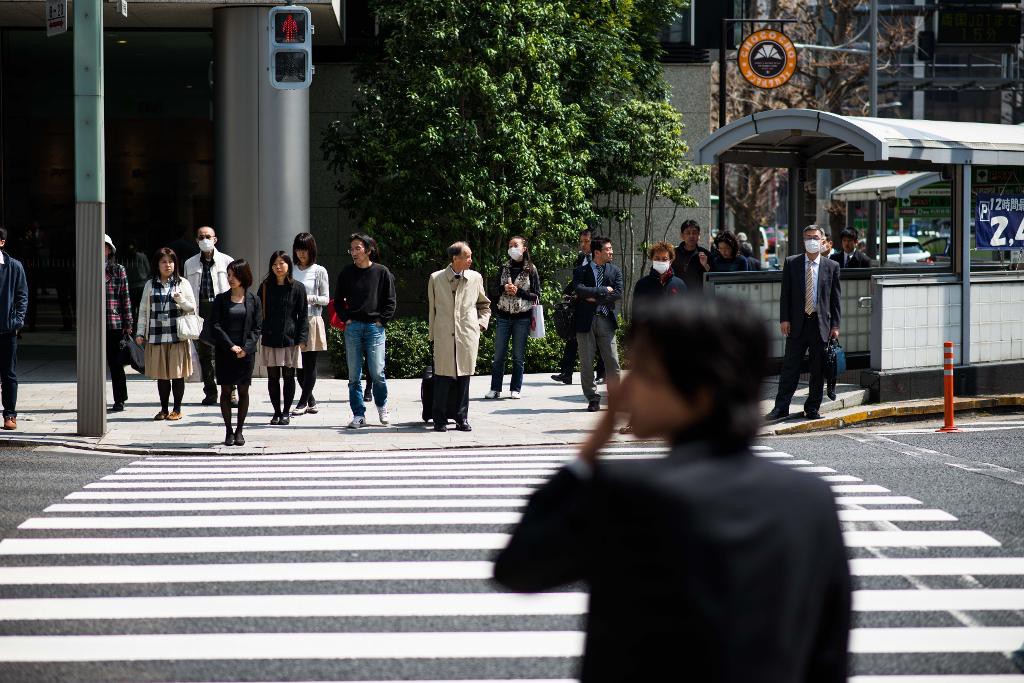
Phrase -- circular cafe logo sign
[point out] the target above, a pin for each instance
(767, 59)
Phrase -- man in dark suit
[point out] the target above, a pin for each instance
(809, 317)
(568, 365)
(598, 285)
(707, 565)
(850, 256)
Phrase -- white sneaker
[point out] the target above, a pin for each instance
(384, 414)
(357, 422)
(492, 394)
(516, 394)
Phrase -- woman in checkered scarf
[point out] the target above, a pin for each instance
(168, 359)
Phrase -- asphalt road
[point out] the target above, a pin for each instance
(976, 477)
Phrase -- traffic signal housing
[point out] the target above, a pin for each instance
(291, 47)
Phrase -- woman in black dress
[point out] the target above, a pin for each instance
(236, 322)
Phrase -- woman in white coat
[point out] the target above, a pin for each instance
(165, 298)
(318, 294)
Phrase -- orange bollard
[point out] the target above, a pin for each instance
(947, 380)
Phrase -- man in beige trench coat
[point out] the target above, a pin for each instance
(459, 311)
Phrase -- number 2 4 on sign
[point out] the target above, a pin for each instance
(1000, 224)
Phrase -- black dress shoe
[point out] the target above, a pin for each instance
(239, 439)
(776, 414)
(463, 427)
(812, 414)
(594, 406)
(229, 439)
(285, 420)
(563, 378)
(440, 428)
(210, 401)
(117, 408)
(276, 420)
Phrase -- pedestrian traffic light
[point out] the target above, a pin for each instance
(291, 47)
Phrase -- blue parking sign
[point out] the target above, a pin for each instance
(999, 222)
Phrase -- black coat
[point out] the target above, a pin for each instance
(583, 285)
(285, 317)
(690, 270)
(651, 287)
(218, 336)
(700, 568)
(791, 304)
(857, 260)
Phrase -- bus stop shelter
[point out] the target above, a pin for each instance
(914, 311)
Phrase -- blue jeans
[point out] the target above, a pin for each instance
(365, 341)
(518, 329)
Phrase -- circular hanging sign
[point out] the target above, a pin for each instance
(767, 59)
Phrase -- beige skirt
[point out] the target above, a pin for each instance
(168, 361)
(317, 335)
(284, 357)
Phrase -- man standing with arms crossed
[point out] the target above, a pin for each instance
(809, 316)
(207, 272)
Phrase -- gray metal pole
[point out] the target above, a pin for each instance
(90, 194)
(262, 143)
(873, 75)
(965, 255)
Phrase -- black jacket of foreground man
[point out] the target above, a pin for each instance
(700, 568)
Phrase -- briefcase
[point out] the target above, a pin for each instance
(564, 315)
(427, 396)
(835, 359)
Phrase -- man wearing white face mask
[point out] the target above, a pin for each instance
(207, 272)
(809, 316)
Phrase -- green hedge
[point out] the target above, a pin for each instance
(408, 350)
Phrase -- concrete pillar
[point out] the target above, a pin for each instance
(261, 139)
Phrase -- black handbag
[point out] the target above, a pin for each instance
(835, 359)
(133, 354)
(564, 315)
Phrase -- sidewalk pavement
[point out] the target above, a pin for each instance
(549, 413)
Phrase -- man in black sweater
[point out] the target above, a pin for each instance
(692, 260)
(365, 299)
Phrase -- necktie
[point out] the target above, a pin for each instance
(599, 282)
(809, 289)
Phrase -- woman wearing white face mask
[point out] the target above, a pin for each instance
(518, 291)
(659, 283)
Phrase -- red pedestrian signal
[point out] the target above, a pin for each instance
(288, 28)
(290, 59)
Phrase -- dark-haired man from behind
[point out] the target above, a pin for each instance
(13, 308)
(850, 256)
(710, 564)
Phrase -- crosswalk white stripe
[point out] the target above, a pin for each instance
(264, 646)
(397, 492)
(859, 488)
(276, 520)
(355, 459)
(903, 539)
(937, 639)
(326, 474)
(250, 544)
(290, 505)
(840, 477)
(275, 606)
(937, 566)
(943, 678)
(773, 454)
(877, 500)
(415, 453)
(383, 519)
(912, 515)
(303, 482)
(335, 467)
(796, 463)
(245, 572)
(443, 604)
(436, 645)
(915, 600)
(815, 470)
(391, 503)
